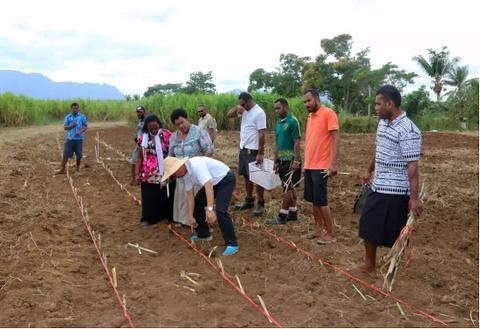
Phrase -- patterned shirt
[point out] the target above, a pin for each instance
(397, 143)
(207, 122)
(149, 167)
(196, 143)
(81, 121)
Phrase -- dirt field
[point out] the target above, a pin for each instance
(51, 276)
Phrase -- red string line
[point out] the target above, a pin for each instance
(348, 274)
(87, 227)
(207, 259)
(408, 230)
(225, 277)
(338, 269)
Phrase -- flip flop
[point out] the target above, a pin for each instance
(323, 241)
(312, 235)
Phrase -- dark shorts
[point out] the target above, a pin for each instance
(315, 187)
(284, 173)
(245, 157)
(73, 146)
(383, 217)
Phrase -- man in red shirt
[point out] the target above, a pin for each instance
(322, 144)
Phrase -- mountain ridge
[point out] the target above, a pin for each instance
(37, 85)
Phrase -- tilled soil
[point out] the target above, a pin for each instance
(51, 275)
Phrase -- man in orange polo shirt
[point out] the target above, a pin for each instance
(322, 144)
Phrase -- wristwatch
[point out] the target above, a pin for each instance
(208, 208)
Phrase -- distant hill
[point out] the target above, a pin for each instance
(36, 85)
(235, 91)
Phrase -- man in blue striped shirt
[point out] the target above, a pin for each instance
(75, 124)
(396, 179)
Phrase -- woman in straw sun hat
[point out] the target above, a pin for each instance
(217, 183)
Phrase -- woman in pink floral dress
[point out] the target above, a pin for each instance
(157, 202)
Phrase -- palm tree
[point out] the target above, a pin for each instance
(457, 77)
(437, 66)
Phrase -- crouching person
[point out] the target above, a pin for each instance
(217, 183)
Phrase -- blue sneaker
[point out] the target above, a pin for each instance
(197, 238)
(230, 250)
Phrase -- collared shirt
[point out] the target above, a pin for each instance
(200, 170)
(287, 130)
(397, 143)
(81, 121)
(196, 143)
(207, 122)
(318, 138)
(252, 121)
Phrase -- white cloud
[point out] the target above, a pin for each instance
(135, 44)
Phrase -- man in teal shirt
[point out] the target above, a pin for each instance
(287, 160)
(75, 124)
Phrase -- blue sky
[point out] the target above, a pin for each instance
(135, 44)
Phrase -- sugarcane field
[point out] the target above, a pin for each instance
(239, 164)
(75, 255)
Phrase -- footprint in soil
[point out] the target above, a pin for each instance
(270, 244)
(10, 195)
(205, 287)
(245, 269)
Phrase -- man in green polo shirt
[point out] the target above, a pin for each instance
(287, 160)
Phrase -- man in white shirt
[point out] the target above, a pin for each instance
(252, 141)
(217, 183)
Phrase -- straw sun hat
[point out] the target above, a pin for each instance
(171, 165)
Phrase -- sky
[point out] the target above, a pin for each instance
(136, 44)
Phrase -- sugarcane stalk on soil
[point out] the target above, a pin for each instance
(397, 252)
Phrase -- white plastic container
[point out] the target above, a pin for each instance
(264, 175)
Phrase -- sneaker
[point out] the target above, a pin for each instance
(277, 220)
(248, 203)
(230, 250)
(145, 223)
(197, 238)
(292, 215)
(260, 208)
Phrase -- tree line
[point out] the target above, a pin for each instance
(350, 82)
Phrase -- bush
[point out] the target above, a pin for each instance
(357, 124)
